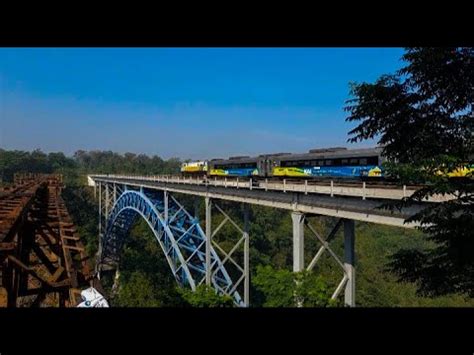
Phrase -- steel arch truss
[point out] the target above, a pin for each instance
(178, 233)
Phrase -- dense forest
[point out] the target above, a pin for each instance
(145, 279)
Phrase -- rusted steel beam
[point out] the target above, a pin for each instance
(42, 258)
(4, 246)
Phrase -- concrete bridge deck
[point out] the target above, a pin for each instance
(360, 203)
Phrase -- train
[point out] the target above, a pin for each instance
(334, 163)
(337, 162)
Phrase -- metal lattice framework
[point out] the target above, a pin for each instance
(178, 233)
(348, 276)
(43, 262)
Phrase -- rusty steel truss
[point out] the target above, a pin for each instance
(42, 259)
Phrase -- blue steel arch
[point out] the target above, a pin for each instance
(180, 237)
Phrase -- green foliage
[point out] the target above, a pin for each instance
(138, 291)
(142, 260)
(423, 117)
(83, 162)
(205, 296)
(108, 162)
(83, 210)
(283, 288)
(278, 286)
(377, 248)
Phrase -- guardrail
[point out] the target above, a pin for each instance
(329, 188)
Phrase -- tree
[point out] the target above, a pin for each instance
(138, 291)
(423, 118)
(204, 296)
(283, 288)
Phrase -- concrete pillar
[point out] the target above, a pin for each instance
(349, 262)
(196, 208)
(246, 257)
(100, 208)
(107, 203)
(99, 252)
(298, 241)
(165, 201)
(208, 203)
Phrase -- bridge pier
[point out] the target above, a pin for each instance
(298, 241)
(196, 208)
(100, 207)
(347, 265)
(246, 257)
(107, 204)
(208, 204)
(99, 251)
(165, 203)
(349, 261)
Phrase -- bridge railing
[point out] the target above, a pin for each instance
(332, 188)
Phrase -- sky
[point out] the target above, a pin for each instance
(191, 103)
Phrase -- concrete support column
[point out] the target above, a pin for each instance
(165, 201)
(99, 252)
(115, 285)
(196, 208)
(100, 209)
(107, 203)
(349, 262)
(208, 203)
(298, 241)
(246, 257)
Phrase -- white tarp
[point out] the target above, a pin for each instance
(90, 181)
(92, 298)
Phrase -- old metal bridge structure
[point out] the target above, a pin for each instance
(42, 258)
(193, 254)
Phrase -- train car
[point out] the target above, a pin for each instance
(194, 168)
(465, 171)
(329, 162)
(241, 166)
(334, 163)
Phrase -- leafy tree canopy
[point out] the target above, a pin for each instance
(284, 288)
(205, 296)
(423, 118)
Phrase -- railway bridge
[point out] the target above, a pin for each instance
(43, 262)
(193, 254)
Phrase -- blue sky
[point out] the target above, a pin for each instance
(182, 102)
